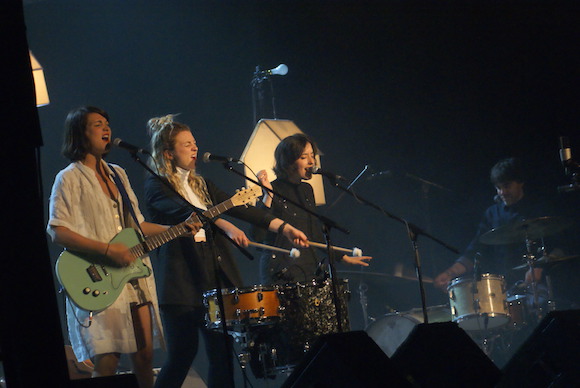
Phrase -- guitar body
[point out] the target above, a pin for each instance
(93, 286)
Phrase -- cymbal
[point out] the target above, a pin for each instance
(545, 261)
(378, 277)
(531, 229)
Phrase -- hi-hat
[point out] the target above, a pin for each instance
(377, 277)
(548, 260)
(528, 229)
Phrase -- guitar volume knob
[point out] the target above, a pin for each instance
(96, 293)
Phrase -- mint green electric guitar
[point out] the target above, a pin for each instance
(93, 282)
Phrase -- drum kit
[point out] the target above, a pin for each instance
(483, 305)
(276, 325)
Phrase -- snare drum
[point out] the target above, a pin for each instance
(253, 306)
(479, 306)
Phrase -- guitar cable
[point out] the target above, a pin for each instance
(77, 318)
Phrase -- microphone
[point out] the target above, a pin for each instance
(208, 157)
(129, 147)
(565, 153)
(281, 69)
(570, 166)
(328, 174)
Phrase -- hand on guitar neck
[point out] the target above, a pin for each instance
(123, 256)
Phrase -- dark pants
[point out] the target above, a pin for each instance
(181, 326)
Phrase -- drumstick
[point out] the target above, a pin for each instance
(294, 253)
(355, 251)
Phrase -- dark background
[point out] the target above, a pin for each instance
(436, 92)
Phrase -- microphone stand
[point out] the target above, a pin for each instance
(258, 92)
(327, 225)
(413, 232)
(360, 174)
(208, 225)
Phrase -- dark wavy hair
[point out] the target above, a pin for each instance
(76, 144)
(507, 170)
(288, 151)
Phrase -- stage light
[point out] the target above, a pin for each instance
(39, 82)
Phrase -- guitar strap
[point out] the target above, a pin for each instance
(125, 197)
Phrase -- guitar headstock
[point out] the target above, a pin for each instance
(245, 196)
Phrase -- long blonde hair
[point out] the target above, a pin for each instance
(163, 131)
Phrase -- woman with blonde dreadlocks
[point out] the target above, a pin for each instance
(185, 268)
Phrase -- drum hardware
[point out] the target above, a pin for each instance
(376, 280)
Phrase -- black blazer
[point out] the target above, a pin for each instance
(181, 273)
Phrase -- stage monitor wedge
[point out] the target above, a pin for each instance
(550, 357)
(345, 360)
(443, 355)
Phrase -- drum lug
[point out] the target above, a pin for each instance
(452, 295)
(236, 296)
(260, 296)
(453, 311)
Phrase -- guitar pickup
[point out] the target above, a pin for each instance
(94, 274)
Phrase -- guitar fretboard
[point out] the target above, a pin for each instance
(178, 230)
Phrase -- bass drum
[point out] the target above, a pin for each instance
(390, 331)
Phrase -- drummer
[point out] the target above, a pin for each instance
(498, 256)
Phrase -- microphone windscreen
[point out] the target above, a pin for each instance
(282, 69)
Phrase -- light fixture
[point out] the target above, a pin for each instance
(39, 82)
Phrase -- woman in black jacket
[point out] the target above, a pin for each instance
(187, 267)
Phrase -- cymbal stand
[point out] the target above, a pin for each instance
(531, 260)
(362, 290)
(551, 301)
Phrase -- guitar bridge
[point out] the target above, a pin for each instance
(94, 274)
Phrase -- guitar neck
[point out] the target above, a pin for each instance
(155, 241)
